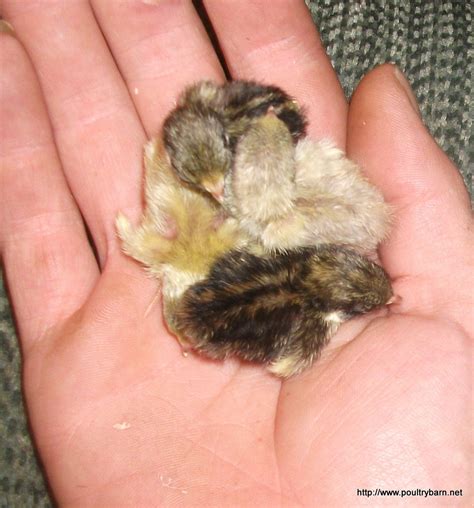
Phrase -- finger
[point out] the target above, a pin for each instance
(49, 265)
(161, 48)
(98, 133)
(277, 43)
(431, 237)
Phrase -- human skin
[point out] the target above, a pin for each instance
(119, 416)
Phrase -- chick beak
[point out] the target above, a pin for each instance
(215, 189)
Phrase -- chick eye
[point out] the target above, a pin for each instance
(184, 175)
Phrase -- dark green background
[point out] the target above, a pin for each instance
(431, 41)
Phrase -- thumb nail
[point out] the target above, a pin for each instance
(405, 86)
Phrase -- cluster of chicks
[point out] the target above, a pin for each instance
(260, 236)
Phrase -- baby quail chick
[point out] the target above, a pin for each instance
(200, 134)
(281, 309)
(181, 234)
(290, 196)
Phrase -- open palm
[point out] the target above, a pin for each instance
(119, 415)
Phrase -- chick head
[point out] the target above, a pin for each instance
(350, 283)
(198, 148)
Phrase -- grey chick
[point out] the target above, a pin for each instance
(196, 139)
(289, 196)
(181, 234)
(201, 133)
(280, 309)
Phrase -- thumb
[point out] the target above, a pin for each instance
(431, 235)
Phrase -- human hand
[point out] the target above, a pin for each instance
(119, 416)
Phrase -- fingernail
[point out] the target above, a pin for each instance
(6, 27)
(403, 82)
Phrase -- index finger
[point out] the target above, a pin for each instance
(162, 48)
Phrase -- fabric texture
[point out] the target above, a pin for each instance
(431, 41)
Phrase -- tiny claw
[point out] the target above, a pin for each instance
(185, 345)
(395, 299)
(170, 228)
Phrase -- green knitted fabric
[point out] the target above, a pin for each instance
(431, 41)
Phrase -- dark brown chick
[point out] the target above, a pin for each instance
(201, 133)
(282, 309)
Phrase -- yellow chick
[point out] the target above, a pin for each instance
(181, 234)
